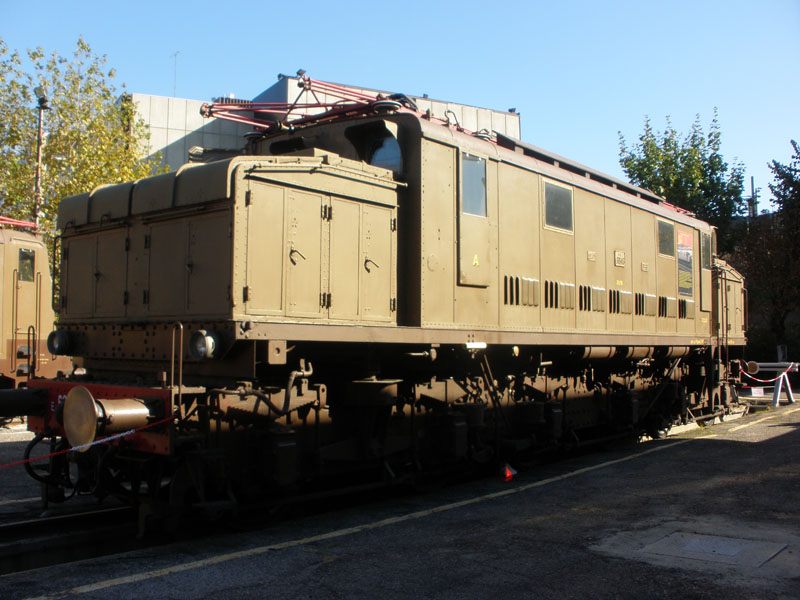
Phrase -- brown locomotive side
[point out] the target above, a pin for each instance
(26, 314)
(315, 239)
(382, 291)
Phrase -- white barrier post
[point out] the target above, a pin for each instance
(783, 379)
(776, 395)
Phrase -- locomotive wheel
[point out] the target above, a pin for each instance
(659, 431)
(186, 487)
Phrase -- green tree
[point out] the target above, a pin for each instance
(767, 255)
(688, 171)
(91, 135)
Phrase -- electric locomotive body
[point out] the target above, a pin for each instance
(378, 293)
(26, 315)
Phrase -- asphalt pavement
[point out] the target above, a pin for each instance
(709, 513)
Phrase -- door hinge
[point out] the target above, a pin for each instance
(247, 197)
(125, 298)
(64, 252)
(393, 224)
(327, 212)
(127, 244)
(147, 241)
(393, 304)
(246, 293)
(325, 300)
(145, 296)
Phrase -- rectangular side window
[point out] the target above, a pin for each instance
(557, 206)
(685, 263)
(666, 238)
(473, 185)
(27, 264)
(705, 250)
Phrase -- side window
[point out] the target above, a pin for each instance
(685, 263)
(473, 185)
(27, 264)
(705, 251)
(666, 238)
(557, 206)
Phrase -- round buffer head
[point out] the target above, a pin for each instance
(81, 414)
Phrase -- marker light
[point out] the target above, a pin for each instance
(58, 342)
(203, 344)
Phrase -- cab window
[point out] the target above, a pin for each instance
(27, 264)
(386, 153)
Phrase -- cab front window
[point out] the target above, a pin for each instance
(386, 153)
(27, 264)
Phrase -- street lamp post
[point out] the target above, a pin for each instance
(41, 97)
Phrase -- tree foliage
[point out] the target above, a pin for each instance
(767, 255)
(688, 171)
(91, 135)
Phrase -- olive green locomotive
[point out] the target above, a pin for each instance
(369, 294)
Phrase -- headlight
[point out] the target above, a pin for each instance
(203, 344)
(58, 342)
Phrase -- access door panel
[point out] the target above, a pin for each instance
(78, 293)
(304, 255)
(109, 274)
(138, 270)
(209, 265)
(265, 250)
(345, 259)
(376, 276)
(473, 250)
(167, 293)
(438, 210)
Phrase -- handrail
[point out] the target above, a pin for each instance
(177, 326)
(38, 327)
(56, 271)
(14, 319)
(32, 357)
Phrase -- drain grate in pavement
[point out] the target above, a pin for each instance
(731, 551)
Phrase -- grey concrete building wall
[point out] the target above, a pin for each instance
(176, 125)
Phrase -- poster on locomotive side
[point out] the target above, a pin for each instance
(685, 275)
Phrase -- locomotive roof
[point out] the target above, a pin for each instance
(562, 169)
(14, 235)
(349, 105)
(198, 183)
(207, 181)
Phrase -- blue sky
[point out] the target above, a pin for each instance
(579, 72)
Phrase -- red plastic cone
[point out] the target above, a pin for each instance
(508, 473)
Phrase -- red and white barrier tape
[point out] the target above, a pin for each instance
(746, 374)
(82, 446)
